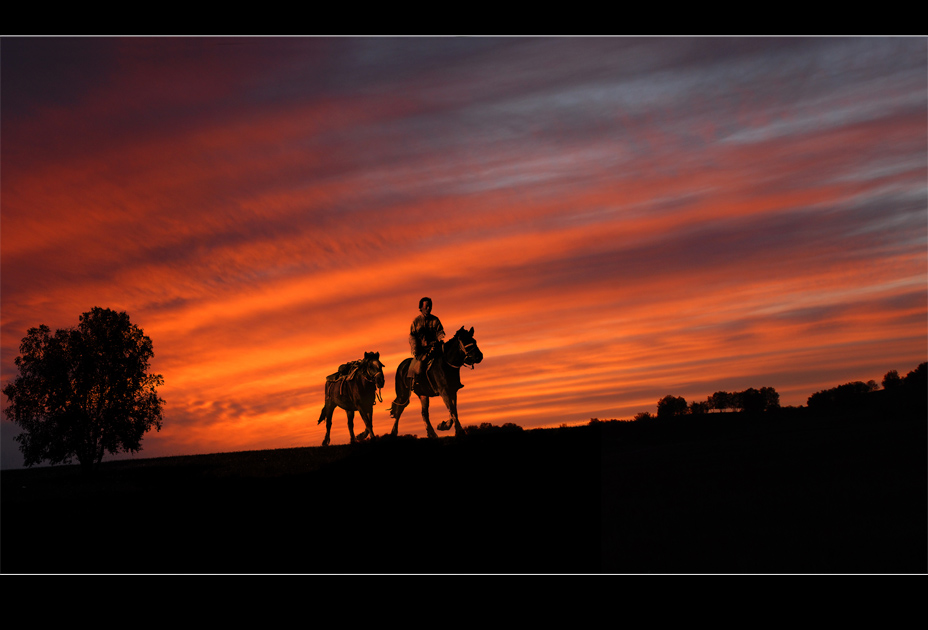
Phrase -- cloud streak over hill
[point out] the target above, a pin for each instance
(618, 218)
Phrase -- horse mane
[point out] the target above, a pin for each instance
(460, 332)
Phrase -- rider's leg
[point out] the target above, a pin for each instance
(413, 372)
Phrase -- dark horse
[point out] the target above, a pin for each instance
(353, 388)
(442, 378)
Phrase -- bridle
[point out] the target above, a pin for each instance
(370, 375)
(464, 349)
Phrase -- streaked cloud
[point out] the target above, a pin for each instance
(618, 218)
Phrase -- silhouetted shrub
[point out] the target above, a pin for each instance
(596, 422)
(487, 427)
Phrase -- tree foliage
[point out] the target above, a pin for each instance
(892, 381)
(720, 400)
(670, 406)
(750, 400)
(753, 400)
(840, 398)
(699, 408)
(85, 391)
(917, 380)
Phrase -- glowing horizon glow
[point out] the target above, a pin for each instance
(619, 219)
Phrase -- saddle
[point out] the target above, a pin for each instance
(345, 371)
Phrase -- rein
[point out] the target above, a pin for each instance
(464, 350)
(371, 377)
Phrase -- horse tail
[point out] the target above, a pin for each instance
(329, 394)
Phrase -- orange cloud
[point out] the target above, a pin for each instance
(612, 236)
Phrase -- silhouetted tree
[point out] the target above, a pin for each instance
(914, 391)
(670, 406)
(917, 379)
(720, 401)
(892, 381)
(771, 398)
(698, 408)
(752, 400)
(736, 400)
(644, 415)
(84, 391)
(841, 398)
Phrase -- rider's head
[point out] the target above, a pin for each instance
(425, 301)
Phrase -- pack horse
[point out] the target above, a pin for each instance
(441, 377)
(354, 388)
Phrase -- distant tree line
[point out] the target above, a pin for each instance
(487, 427)
(899, 394)
(750, 400)
(906, 395)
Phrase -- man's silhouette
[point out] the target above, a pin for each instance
(425, 336)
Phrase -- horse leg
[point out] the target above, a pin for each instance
(451, 402)
(401, 400)
(327, 416)
(425, 416)
(396, 410)
(367, 415)
(351, 426)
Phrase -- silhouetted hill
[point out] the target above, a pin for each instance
(728, 493)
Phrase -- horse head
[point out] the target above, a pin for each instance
(472, 354)
(374, 368)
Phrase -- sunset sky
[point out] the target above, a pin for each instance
(618, 218)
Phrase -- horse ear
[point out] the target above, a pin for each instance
(472, 330)
(377, 356)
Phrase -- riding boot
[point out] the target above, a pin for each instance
(415, 370)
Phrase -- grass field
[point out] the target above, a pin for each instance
(725, 494)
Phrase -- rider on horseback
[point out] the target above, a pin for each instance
(425, 336)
